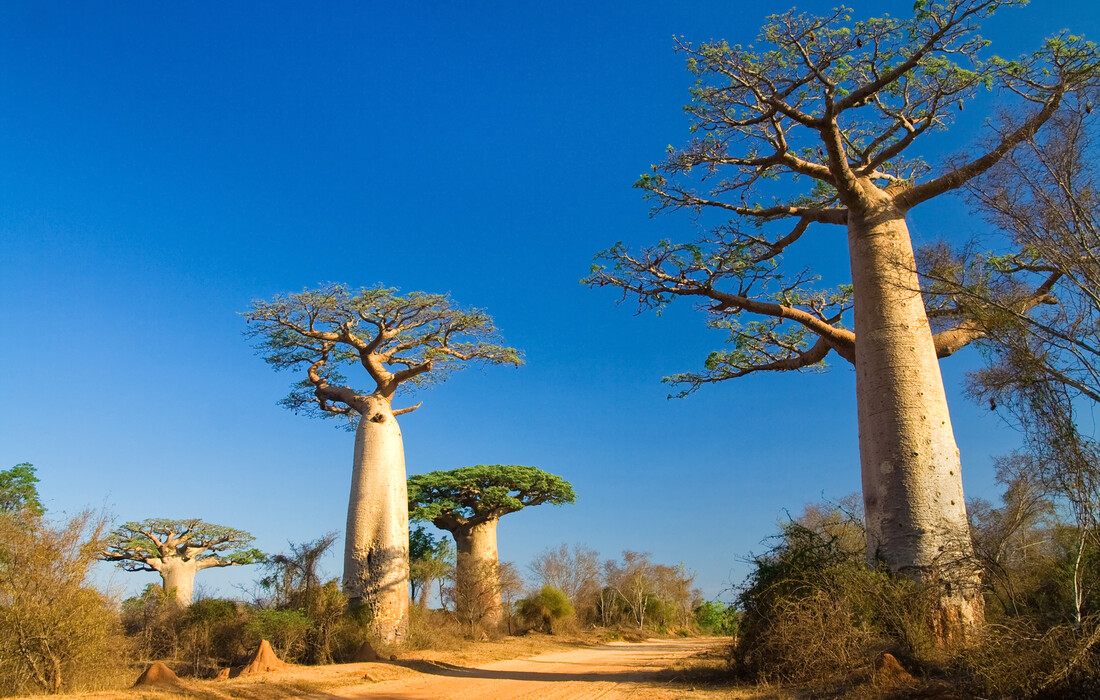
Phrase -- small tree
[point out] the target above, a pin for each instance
(177, 550)
(645, 594)
(469, 503)
(575, 571)
(56, 631)
(430, 559)
(18, 491)
(294, 579)
(511, 586)
(401, 342)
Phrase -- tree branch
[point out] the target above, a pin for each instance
(907, 199)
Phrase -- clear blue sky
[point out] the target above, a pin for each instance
(161, 165)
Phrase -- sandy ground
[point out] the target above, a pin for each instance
(615, 670)
(534, 667)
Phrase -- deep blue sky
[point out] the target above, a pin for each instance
(163, 165)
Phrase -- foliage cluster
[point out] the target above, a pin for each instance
(717, 618)
(543, 609)
(18, 491)
(431, 560)
(412, 339)
(470, 494)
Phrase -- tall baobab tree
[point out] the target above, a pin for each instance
(816, 125)
(400, 341)
(177, 550)
(469, 503)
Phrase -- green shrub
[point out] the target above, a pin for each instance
(211, 635)
(551, 605)
(285, 629)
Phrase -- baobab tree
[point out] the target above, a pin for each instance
(469, 503)
(400, 342)
(816, 125)
(177, 550)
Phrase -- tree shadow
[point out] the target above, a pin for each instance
(441, 668)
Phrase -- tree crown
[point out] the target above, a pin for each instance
(18, 492)
(472, 495)
(838, 103)
(135, 545)
(400, 340)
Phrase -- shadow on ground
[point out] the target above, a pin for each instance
(439, 668)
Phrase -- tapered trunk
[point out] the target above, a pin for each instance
(376, 550)
(912, 484)
(477, 578)
(178, 577)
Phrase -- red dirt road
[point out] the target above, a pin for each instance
(617, 670)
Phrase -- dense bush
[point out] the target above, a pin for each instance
(211, 635)
(543, 610)
(152, 622)
(813, 611)
(1023, 658)
(57, 632)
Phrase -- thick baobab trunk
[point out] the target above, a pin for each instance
(477, 578)
(178, 577)
(912, 485)
(376, 550)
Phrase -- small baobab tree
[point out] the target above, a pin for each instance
(177, 550)
(468, 503)
(400, 341)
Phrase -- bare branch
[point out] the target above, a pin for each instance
(958, 177)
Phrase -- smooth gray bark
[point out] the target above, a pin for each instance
(477, 577)
(912, 480)
(376, 549)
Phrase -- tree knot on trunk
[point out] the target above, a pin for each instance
(378, 418)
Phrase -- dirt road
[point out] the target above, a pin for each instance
(617, 670)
